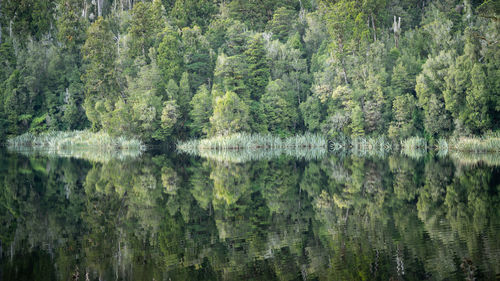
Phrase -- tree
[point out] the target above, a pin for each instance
(373, 107)
(312, 113)
(258, 67)
(170, 59)
(357, 122)
(147, 21)
(171, 90)
(289, 65)
(197, 57)
(403, 112)
(229, 75)
(184, 96)
(466, 94)
(29, 17)
(189, 13)
(429, 88)
(100, 77)
(71, 27)
(168, 120)
(231, 115)
(282, 24)
(236, 38)
(252, 13)
(436, 121)
(478, 101)
(201, 110)
(145, 103)
(401, 81)
(374, 10)
(346, 26)
(280, 114)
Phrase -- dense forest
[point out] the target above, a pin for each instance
(179, 69)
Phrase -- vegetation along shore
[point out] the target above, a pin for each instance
(366, 75)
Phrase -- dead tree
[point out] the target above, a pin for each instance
(396, 26)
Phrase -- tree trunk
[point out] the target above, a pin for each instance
(374, 29)
(344, 72)
(396, 26)
(85, 9)
(99, 8)
(342, 61)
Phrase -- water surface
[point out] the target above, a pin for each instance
(168, 216)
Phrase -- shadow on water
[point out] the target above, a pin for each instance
(251, 216)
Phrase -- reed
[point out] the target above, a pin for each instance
(414, 143)
(254, 141)
(75, 140)
(414, 147)
(478, 144)
(82, 153)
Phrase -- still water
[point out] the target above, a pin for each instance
(170, 216)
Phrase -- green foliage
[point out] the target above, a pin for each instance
(198, 58)
(258, 67)
(256, 13)
(201, 111)
(188, 13)
(144, 104)
(346, 68)
(170, 59)
(100, 78)
(357, 124)
(282, 24)
(231, 115)
(403, 110)
(311, 112)
(29, 17)
(169, 115)
(147, 21)
(429, 88)
(71, 27)
(280, 113)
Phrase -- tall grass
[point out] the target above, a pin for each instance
(75, 140)
(92, 155)
(478, 144)
(254, 141)
(414, 147)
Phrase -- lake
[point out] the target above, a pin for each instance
(249, 216)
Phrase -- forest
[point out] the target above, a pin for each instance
(167, 70)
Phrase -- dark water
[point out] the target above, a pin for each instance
(166, 216)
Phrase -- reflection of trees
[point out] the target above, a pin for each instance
(346, 218)
(39, 203)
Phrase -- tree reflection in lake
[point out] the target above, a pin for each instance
(178, 217)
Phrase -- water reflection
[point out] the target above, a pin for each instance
(177, 217)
